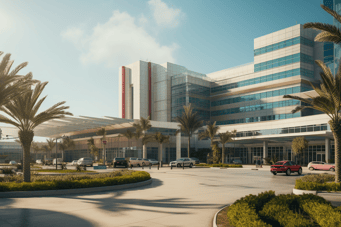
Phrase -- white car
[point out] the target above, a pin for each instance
(38, 161)
(182, 161)
(153, 161)
(84, 161)
(13, 163)
(74, 162)
(59, 161)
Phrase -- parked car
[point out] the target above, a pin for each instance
(74, 162)
(38, 161)
(237, 161)
(86, 161)
(59, 161)
(182, 161)
(13, 163)
(195, 161)
(321, 166)
(48, 161)
(133, 161)
(153, 161)
(144, 161)
(287, 167)
(120, 162)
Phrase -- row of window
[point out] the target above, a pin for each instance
(203, 103)
(298, 129)
(194, 89)
(284, 44)
(264, 106)
(259, 118)
(271, 77)
(284, 61)
(280, 92)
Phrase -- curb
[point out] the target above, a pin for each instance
(20, 194)
(321, 193)
(302, 192)
(215, 216)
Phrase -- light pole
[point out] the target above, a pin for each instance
(57, 149)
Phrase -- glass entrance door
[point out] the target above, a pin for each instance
(320, 157)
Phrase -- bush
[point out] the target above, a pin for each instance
(318, 178)
(221, 165)
(78, 168)
(317, 182)
(71, 182)
(6, 171)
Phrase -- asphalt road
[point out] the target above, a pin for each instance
(177, 197)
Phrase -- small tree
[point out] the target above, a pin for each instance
(141, 132)
(223, 139)
(66, 143)
(92, 147)
(299, 144)
(129, 135)
(102, 132)
(160, 139)
(215, 153)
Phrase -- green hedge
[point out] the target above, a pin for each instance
(290, 210)
(317, 182)
(72, 184)
(221, 165)
(63, 171)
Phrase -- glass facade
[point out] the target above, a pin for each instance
(284, 61)
(262, 79)
(283, 44)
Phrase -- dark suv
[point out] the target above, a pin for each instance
(120, 162)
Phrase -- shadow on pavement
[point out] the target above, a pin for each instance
(6, 202)
(23, 217)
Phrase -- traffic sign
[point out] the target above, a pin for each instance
(104, 142)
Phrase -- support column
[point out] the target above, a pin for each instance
(265, 151)
(178, 145)
(249, 161)
(327, 150)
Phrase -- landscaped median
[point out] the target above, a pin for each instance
(318, 182)
(63, 171)
(15, 183)
(266, 210)
(220, 165)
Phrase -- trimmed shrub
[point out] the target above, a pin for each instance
(317, 186)
(70, 182)
(221, 165)
(318, 178)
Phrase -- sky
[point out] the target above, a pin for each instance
(79, 45)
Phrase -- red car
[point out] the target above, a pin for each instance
(286, 167)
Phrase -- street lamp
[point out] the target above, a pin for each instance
(63, 137)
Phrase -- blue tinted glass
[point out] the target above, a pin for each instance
(269, 48)
(263, 95)
(276, 93)
(269, 94)
(296, 90)
(289, 42)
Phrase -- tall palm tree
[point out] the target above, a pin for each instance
(51, 143)
(12, 85)
(328, 100)
(102, 132)
(141, 129)
(66, 143)
(160, 139)
(225, 137)
(92, 147)
(189, 122)
(210, 132)
(23, 111)
(129, 135)
(330, 33)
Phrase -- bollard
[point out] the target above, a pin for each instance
(171, 166)
(150, 166)
(183, 165)
(131, 166)
(142, 166)
(158, 165)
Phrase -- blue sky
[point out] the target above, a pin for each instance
(78, 45)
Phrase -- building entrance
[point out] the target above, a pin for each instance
(321, 157)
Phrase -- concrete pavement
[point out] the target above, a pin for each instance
(177, 197)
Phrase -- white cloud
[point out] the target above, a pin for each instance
(143, 20)
(118, 42)
(5, 21)
(165, 15)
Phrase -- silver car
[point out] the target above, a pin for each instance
(84, 161)
(182, 161)
(153, 161)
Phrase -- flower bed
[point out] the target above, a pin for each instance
(221, 165)
(15, 183)
(266, 209)
(318, 182)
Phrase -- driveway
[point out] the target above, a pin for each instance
(177, 197)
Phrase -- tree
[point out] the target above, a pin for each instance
(215, 153)
(210, 132)
(35, 147)
(189, 122)
(12, 85)
(92, 147)
(51, 143)
(299, 144)
(330, 33)
(102, 132)
(160, 139)
(328, 100)
(23, 110)
(141, 132)
(66, 143)
(129, 135)
(223, 139)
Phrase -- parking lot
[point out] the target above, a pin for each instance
(177, 197)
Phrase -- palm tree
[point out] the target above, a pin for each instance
(51, 143)
(23, 111)
(330, 33)
(92, 147)
(129, 135)
(160, 139)
(210, 132)
(35, 147)
(141, 131)
(223, 139)
(102, 132)
(189, 122)
(12, 85)
(328, 100)
(66, 144)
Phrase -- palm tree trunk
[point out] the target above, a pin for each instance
(26, 138)
(223, 154)
(144, 154)
(336, 130)
(189, 145)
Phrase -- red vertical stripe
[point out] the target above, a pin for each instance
(149, 89)
(123, 92)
